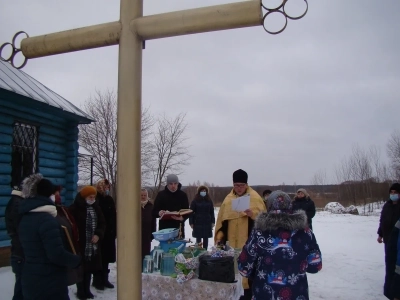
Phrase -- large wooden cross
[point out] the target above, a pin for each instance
(130, 32)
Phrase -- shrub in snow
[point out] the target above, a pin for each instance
(351, 210)
(335, 208)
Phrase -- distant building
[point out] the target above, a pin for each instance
(38, 133)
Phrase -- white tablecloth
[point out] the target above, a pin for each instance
(156, 286)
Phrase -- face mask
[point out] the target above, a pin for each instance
(53, 198)
(90, 202)
(266, 197)
(107, 192)
(203, 194)
(394, 197)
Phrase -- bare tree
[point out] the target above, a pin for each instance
(147, 146)
(170, 149)
(345, 180)
(393, 151)
(100, 138)
(319, 178)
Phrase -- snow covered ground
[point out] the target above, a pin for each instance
(353, 262)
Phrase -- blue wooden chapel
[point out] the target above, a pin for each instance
(38, 133)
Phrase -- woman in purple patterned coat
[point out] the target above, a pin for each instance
(279, 252)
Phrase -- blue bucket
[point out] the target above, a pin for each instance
(179, 244)
(166, 234)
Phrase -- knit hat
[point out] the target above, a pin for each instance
(304, 192)
(279, 201)
(45, 188)
(239, 176)
(395, 187)
(172, 178)
(88, 191)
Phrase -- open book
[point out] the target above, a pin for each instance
(168, 214)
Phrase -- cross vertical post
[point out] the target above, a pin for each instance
(129, 148)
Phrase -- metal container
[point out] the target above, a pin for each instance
(148, 264)
(157, 257)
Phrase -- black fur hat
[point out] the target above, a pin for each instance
(240, 176)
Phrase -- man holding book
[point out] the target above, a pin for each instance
(171, 199)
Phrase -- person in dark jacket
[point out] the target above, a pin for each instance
(202, 220)
(44, 243)
(265, 195)
(303, 201)
(91, 227)
(149, 224)
(279, 252)
(108, 250)
(394, 262)
(172, 198)
(66, 220)
(389, 215)
(12, 218)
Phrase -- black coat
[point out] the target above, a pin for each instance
(389, 215)
(78, 211)
(307, 205)
(107, 206)
(46, 258)
(166, 200)
(202, 217)
(391, 287)
(148, 227)
(12, 218)
(74, 275)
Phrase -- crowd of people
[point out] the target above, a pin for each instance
(54, 246)
(274, 233)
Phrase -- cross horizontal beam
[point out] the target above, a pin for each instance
(89, 37)
(198, 20)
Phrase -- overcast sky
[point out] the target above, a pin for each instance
(280, 107)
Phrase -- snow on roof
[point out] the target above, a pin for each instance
(82, 151)
(21, 83)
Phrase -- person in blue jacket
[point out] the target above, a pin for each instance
(393, 264)
(279, 252)
(44, 242)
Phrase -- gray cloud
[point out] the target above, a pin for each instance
(280, 107)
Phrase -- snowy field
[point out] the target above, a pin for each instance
(353, 262)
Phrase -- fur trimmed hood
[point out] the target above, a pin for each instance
(29, 185)
(272, 221)
(202, 187)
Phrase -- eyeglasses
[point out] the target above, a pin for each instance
(239, 185)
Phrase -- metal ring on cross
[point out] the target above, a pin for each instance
(281, 9)
(14, 51)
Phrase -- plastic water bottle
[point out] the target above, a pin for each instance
(148, 264)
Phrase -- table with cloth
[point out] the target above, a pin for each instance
(155, 286)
